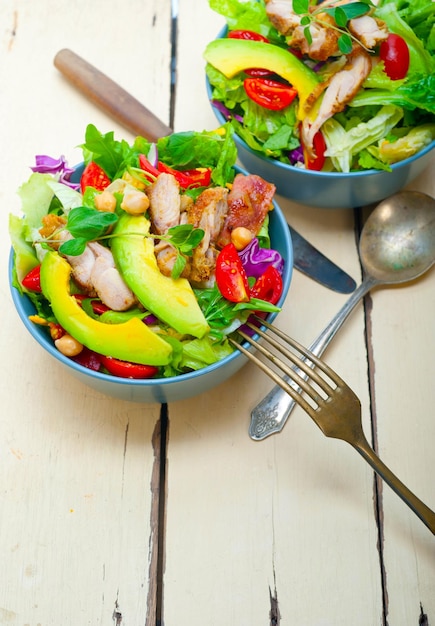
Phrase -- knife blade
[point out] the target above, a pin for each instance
(313, 263)
(135, 117)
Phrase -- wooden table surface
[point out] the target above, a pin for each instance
(130, 514)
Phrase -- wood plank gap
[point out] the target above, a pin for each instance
(164, 434)
(174, 38)
(377, 481)
(157, 514)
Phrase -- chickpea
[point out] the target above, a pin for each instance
(105, 202)
(135, 202)
(68, 346)
(241, 236)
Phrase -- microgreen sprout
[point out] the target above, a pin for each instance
(340, 14)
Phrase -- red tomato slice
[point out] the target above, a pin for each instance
(125, 369)
(148, 167)
(199, 177)
(269, 286)
(394, 52)
(269, 94)
(183, 180)
(231, 277)
(94, 176)
(319, 145)
(98, 307)
(247, 34)
(32, 280)
(187, 178)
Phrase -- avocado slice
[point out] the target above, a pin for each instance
(231, 56)
(171, 300)
(130, 341)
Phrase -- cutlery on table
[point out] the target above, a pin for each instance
(328, 400)
(397, 244)
(135, 117)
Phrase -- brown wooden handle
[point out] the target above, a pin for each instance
(110, 97)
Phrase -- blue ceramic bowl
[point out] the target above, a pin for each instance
(161, 389)
(328, 190)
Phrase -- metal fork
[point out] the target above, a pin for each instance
(328, 400)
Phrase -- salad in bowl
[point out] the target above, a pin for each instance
(137, 265)
(337, 86)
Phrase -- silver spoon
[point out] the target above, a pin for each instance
(397, 244)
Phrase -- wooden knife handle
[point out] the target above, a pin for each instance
(110, 97)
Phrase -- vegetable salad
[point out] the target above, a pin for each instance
(390, 117)
(120, 284)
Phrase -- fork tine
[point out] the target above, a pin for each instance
(300, 348)
(297, 397)
(300, 363)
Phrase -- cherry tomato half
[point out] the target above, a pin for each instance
(32, 280)
(268, 286)
(125, 369)
(247, 34)
(269, 94)
(231, 277)
(258, 72)
(394, 52)
(88, 358)
(319, 146)
(94, 176)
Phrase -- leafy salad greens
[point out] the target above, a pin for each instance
(56, 190)
(385, 122)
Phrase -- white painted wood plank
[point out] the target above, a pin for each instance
(403, 337)
(77, 467)
(293, 514)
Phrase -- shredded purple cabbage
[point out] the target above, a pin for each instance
(256, 260)
(150, 319)
(225, 111)
(296, 156)
(48, 165)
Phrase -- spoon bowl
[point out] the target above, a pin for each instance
(398, 239)
(397, 245)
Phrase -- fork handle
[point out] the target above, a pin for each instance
(271, 414)
(426, 515)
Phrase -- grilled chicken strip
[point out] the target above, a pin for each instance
(368, 30)
(341, 89)
(107, 281)
(324, 40)
(164, 197)
(282, 16)
(95, 272)
(164, 210)
(249, 201)
(208, 213)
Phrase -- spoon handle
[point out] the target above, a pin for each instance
(271, 414)
(110, 97)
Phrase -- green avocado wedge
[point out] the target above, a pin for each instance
(171, 300)
(130, 341)
(231, 56)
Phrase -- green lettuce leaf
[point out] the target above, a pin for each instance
(343, 145)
